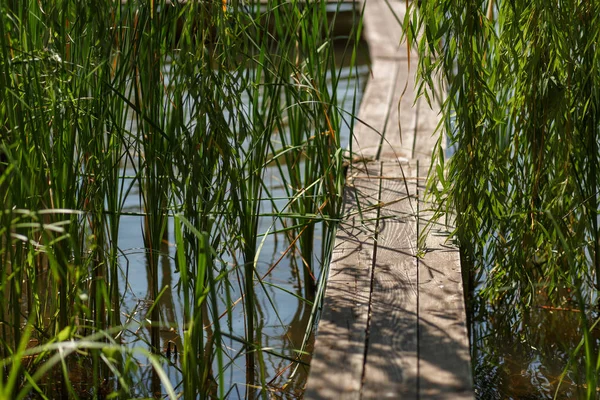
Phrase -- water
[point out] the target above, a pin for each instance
(283, 317)
(523, 346)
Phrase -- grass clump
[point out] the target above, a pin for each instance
(175, 114)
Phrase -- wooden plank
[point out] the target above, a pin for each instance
(401, 129)
(393, 124)
(428, 118)
(382, 30)
(444, 359)
(337, 365)
(411, 122)
(375, 109)
(391, 362)
(415, 343)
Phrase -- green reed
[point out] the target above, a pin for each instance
(191, 105)
(521, 114)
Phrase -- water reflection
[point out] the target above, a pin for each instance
(524, 349)
(283, 347)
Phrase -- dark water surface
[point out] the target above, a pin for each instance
(523, 347)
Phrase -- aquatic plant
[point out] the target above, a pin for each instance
(175, 115)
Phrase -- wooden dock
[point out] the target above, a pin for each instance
(393, 322)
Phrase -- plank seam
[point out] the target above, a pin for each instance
(418, 285)
(415, 128)
(387, 114)
(372, 283)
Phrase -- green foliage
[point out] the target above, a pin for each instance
(191, 104)
(521, 110)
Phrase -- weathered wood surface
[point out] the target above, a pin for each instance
(395, 125)
(391, 362)
(342, 333)
(444, 360)
(382, 28)
(393, 322)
